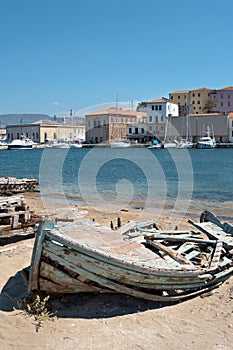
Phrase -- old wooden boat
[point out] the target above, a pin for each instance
(138, 259)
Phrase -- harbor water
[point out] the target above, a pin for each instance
(180, 180)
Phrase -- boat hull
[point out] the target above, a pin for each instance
(63, 265)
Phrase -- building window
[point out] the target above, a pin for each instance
(142, 130)
(99, 123)
(94, 123)
(156, 119)
(221, 104)
(156, 107)
(198, 102)
(55, 136)
(199, 107)
(89, 123)
(232, 133)
(193, 102)
(37, 135)
(193, 95)
(194, 107)
(17, 135)
(229, 97)
(136, 130)
(152, 107)
(130, 130)
(229, 104)
(26, 134)
(199, 94)
(160, 107)
(172, 97)
(161, 128)
(221, 97)
(178, 97)
(162, 118)
(150, 118)
(150, 128)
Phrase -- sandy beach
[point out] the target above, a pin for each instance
(109, 321)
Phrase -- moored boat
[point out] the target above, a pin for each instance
(207, 141)
(137, 260)
(23, 143)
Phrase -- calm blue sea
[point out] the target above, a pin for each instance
(134, 177)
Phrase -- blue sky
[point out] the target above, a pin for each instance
(62, 54)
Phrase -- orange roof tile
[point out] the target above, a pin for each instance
(160, 100)
(206, 115)
(227, 88)
(115, 111)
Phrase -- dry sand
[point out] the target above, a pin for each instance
(110, 321)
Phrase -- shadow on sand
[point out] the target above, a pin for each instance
(80, 305)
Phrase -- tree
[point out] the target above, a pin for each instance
(141, 107)
(209, 104)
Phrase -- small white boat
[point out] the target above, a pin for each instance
(184, 143)
(170, 144)
(158, 145)
(208, 141)
(23, 143)
(119, 144)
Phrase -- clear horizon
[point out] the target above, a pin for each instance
(59, 55)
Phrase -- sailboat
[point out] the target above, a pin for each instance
(185, 143)
(167, 143)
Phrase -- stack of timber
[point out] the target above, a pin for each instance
(138, 260)
(11, 185)
(13, 212)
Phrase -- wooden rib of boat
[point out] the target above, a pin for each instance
(137, 260)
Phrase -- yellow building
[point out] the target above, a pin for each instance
(191, 101)
(46, 130)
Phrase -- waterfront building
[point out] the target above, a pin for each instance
(2, 133)
(45, 131)
(158, 112)
(195, 125)
(222, 100)
(195, 101)
(111, 124)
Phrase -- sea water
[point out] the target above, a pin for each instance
(132, 177)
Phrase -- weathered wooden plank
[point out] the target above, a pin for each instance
(171, 252)
(35, 261)
(62, 281)
(166, 232)
(181, 239)
(185, 247)
(211, 217)
(216, 256)
(214, 232)
(192, 254)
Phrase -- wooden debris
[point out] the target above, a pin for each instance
(12, 185)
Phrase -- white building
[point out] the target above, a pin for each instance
(158, 112)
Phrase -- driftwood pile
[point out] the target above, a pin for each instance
(12, 185)
(17, 222)
(14, 212)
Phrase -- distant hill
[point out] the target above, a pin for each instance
(13, 119)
